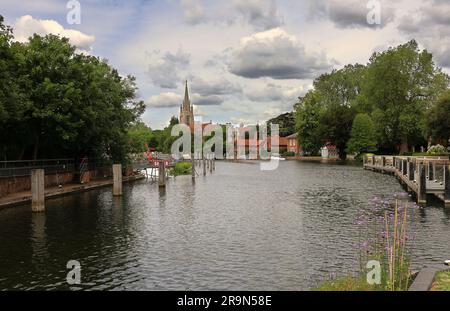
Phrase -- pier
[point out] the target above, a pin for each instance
(421, 176)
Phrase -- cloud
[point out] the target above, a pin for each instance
(350, 13)
(26, 26)
(262, 14)
(193, 11)
(276, 54)
(171, 100)
(278, 93)
(164, 70)
(214, 87)
(165, 100)
(430, 26)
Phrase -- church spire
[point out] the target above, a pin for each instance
(186, 102)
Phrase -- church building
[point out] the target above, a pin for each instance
(186, 110)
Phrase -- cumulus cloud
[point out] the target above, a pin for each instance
(214, 87)
(171, 100)
(164, 70)
(262, 14)
(165, 100)
(278, 55)
(193, 11)
(350, 13)
(430, 26)
(278, 93)
(26, 26)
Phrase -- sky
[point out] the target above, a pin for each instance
(245, 60)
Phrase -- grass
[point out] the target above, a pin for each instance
(442, 281)
(347, 283)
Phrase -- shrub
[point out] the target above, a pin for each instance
(437, 150)
(182, 168)
(288, 154)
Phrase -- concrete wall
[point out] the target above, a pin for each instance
(17, 184)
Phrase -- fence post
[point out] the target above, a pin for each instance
(411, 171)
(117, 179)
(446, 184)
(430, 171)
(421, 191)
(38, 190)
(204, 166)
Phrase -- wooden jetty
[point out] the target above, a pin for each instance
(421, 176)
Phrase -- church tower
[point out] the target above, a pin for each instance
(186, 110)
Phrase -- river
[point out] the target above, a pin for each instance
(237, 229)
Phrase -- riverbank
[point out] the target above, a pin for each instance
(24, 197)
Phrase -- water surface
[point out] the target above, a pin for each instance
(240, 229)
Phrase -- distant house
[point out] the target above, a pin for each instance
(329, 151)
(293, 144)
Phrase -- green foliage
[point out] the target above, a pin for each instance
(438, 119)
(362, 135)
(286, 122)
(442, 281)
(437, 150)
(182, 168)
(395, 90)
(140, 135)
(57, 103)
(162, 140)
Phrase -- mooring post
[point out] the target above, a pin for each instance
(421, 190)
(117, 179)
(411, 171)
(204, 166)
(38, 190)
(446, 185)
(162, 174)
(383, 161)
(404, 167)
(373, 160)
(193, 167)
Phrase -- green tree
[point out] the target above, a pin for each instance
(362, 135)
(438, 119)
(399, 85)
(55, 102)
(286, 123)
(140, 136)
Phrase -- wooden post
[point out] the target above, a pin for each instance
(117, 179)
(193, 167)
(162, 174)
(446, 185)
(210, 165)
(404, 167)
(421, 190)
(411, 171)
(38, 190)
(383, 161)
(204, 166)
(430, 171)
(373, 160)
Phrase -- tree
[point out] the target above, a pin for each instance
(438, 119)
(55, 102)
(399, 85)
(286, 123)
(362, 136)
(140, 136)
(307, 117)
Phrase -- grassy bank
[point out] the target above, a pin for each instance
(442, 281)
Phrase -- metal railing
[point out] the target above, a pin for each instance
(23, 168)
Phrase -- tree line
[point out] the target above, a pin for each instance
(398, 101)
(57, 103)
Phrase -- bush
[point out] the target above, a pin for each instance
(437, 150)
(182, 168)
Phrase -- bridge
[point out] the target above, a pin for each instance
(421, 176)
